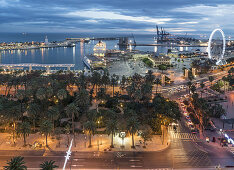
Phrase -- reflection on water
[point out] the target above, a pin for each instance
(70, 55)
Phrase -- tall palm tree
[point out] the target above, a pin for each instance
(114, 81)
(16, 163)
(105, 78)
(49, 92)
(149, 77)
(111, 128)
(20, 96)
(53, 114)
(33, 112)
(24, 130)
(90, 127)
(95, 79)
(157, 82)
(13, 114)
(46, 128)
(202, 85)
(48, 165)
(132, 127)
(162, 67)
(41, 94)
(82, 100)
(193, 89)
(189, 84)
(72, 111)
(62, 94)
(211, 79)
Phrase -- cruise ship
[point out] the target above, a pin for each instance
(97, 59)
(87, 62)
(93, 62)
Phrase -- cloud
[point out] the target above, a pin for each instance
(6, 3)
(110, 15)
(116, 16)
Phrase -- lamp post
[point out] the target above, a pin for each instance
(98, 135)
(68, 155)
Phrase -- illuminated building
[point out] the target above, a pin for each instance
(99, 49)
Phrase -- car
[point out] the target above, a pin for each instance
(190, 122)
(191, 127)
(193, 131)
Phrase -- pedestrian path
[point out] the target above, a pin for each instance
(184, 136)
(231, 149)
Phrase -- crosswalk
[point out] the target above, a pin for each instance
(231, 149)
(184, 136)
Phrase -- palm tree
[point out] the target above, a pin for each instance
(53, 113)
(33, 112)
(132, 126)
(105, 78)
(146, 135)
(211, 79)
(46, 128)
(13, 114)
(114, 81)
(193, 89)
(157, 82)
(62, 94)
(57, 133)
(67, 130)
(90, 127)
(20, 96)
(149, 78)
(72, 111)
(95, 79)
(82, 100)
(162, 67)
(189, 85)
(24, 129)
(111, 128)
(16, 163)
(41, 94)
(48, 165)
(202, 85)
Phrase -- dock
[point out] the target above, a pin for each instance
(170, 45)
(31, 65)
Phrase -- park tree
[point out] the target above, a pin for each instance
(24, 130)
(111, 128)
(46, 128)
(48, 165)
(90, 128)
(132, 127)
(16, 163)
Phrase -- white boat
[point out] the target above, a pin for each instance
(87, 62)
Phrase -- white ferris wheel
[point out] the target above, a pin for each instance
(216, 46)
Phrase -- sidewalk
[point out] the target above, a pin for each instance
(99, 143)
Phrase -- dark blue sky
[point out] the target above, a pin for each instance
(124, 16)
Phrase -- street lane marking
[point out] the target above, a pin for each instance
(77, 165)
(78, 159)
(134, 160)
(136, 166)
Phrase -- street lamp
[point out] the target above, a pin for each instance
(122, 135)
(98, 134)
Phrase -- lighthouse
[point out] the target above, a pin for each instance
(46, 41)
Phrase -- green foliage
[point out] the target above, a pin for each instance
(148, 62)
(48, 165)
(162, 67)
(24, 130)
(16, 163)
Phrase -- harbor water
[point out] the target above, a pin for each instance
(67, 55)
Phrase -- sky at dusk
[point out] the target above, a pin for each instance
(120, 16)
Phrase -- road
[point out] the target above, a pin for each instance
(185, 151)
